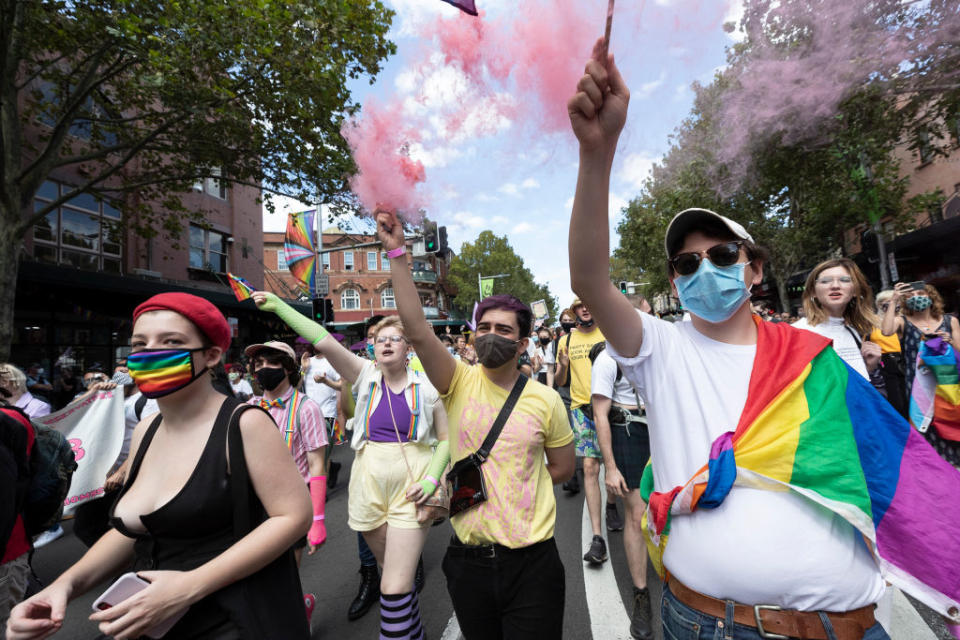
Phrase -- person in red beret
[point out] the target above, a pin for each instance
(193, 525)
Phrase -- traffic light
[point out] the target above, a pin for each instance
(442, 239)
(431, 240)
(322, 310)
(623, 286)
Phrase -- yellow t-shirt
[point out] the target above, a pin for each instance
(888, 344)
(580, 365)
(520, 509)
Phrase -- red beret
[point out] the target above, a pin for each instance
(199, 311)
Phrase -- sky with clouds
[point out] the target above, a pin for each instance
(493, 174)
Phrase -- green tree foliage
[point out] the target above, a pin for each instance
(492, 255)
(139, 100)
(801, 180)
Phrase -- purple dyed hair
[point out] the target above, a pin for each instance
(507, 303)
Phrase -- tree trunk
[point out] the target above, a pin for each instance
(783, 295)
(10, 244)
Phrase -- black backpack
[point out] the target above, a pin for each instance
(52, 464)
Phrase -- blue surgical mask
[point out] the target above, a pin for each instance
(713, 293)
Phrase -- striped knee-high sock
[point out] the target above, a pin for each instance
(400, 617)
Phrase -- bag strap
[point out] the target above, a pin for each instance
(239, 477)
(139, 405)
(856, 338)
(484, 451)
(396, 430)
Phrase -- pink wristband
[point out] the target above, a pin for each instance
(319, 517)
(312, 478)
(396, 253)
(432, 481)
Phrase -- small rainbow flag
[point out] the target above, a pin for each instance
(814, 426)
(241, 288)
(935, 397)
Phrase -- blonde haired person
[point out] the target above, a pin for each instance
(838, 304)
(399, 431)
(892, 366)
(14, 381)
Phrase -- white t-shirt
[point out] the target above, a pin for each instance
(242, 387)
(759, 546)
(319, 392)
(547, 354)
(843, 341)
(603, 381)
(131, 420)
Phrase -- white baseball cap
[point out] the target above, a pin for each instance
(689, 219)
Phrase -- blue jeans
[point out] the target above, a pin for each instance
(680, 622)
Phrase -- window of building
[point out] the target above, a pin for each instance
(384, 262)
(349, 300)
(325, 259)
(924, 148)
(348, 260)
(371, 260)
(84, 232)
(208, 249)
(212, 186)
(386, 299)
(282, 261)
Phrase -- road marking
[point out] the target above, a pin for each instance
(608, 617)
(906, 623)
(452, 630)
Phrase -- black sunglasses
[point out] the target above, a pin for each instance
(721, 255)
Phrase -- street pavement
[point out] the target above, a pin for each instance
(332, 575)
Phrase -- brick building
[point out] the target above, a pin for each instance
(82, 272)
(360, 284)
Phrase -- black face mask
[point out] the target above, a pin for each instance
(568, 326)
(270, 378)
(495, 351)
(586, 324)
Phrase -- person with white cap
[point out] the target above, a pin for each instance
(758, 563)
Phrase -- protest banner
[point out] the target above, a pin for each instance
(93, 425)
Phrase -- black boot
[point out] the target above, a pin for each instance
(332, 474)
(640, 626)
(368, 594)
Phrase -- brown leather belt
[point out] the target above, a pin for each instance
(771, 621)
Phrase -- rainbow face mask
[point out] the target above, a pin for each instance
(160, 372)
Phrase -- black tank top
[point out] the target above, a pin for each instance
(198, 524)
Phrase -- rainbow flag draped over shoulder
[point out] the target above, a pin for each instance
(935, 397)
(814, 426)
(242, 289)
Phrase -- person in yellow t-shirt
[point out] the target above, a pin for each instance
(574, 360)
(503, 571)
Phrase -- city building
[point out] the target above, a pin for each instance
(82, 272)
(929, 250)
(359, 275)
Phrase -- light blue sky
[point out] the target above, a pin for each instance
(522, 186)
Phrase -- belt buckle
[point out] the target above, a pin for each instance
(757, 608)
(487, 551)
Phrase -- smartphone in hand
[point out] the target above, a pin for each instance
(126, 586)
(919, 285)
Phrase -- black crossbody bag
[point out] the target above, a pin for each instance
(467, 488)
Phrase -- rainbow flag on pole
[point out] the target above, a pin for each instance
(241, 288)
(814, 426)
(935, 397)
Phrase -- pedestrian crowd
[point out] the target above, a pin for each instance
(222, 479)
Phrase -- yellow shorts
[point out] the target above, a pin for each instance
(379, 482)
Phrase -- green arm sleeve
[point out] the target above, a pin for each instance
(304, 326)
(441, 456)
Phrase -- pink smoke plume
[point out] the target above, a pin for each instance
(515, 70)
(791, 93)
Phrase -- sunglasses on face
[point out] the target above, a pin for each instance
(721, 255)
